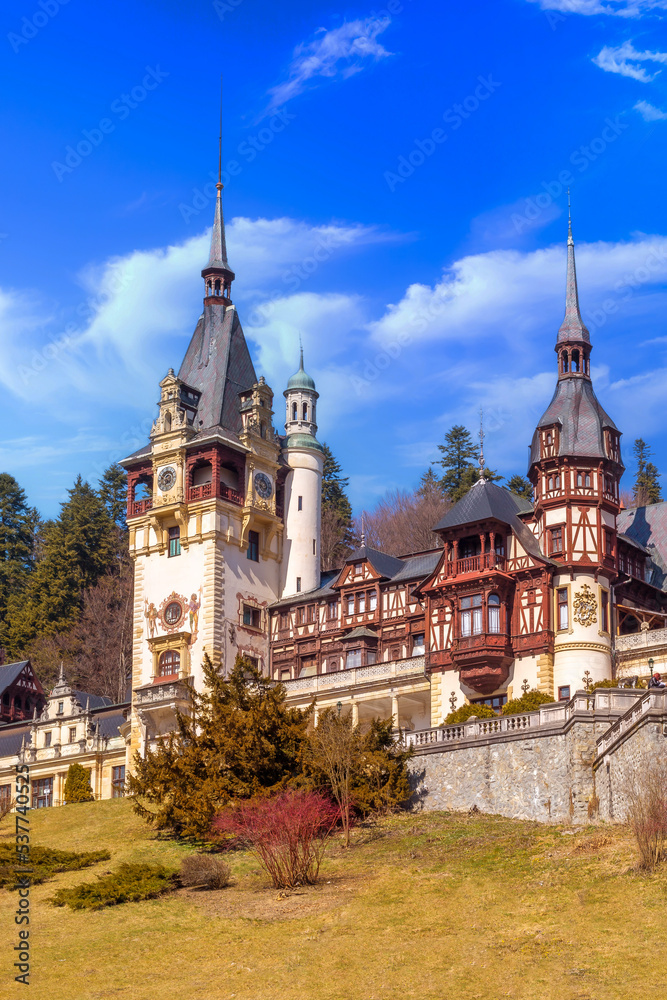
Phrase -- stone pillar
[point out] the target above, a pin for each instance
(355, 713)
(394, 711)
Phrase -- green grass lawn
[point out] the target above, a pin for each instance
(435, 905)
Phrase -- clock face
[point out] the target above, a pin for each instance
(263, 486)
(166, 478)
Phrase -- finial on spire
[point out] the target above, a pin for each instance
(482, 477)
(572, 327)
(61, 675)
(217, 274)
(220, 141)
(301, 368)
(363, 530)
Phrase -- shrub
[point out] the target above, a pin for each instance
(287, 833)
(206, 871)
(528, 702)
(77, 784)
(129, 883)
(44, 863)
(463, 713)
(646, 794)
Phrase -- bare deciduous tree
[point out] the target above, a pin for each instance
(333, 748)
(402, 522)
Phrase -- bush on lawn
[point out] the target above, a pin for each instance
(128, 884)
(205, 871)
(77, 785)
(44, 863)
(646, 794)
(288, 833)
(528, 702)
(463, 713)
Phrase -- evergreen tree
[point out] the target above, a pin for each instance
(470, 477)
(77, 784)
(430, 487)
(18, 526)
(337, 528)
(646, 489)
(113, 491)
(78, 548)
(240, 740)
(521, 487)
(458, 454)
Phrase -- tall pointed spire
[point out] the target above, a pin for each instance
(217, 274)
(572, 328)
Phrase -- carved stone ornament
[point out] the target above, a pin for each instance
(172, 612)
(585, 606)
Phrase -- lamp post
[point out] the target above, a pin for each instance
(651, 664)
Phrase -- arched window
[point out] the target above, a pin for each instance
(549, 437)
(565, 361)
(305, 411)
(18, 704)
(295, 411)
(202, 474)
(143, 488)
(169, 663)
(575, 361)
(494, 613)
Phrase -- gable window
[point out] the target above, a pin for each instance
(353, 658)
(361, 601)
(47, 739)
(556, 539)
(253, 546)
(471, 615)
(118, 781)
(350, 604)
(332, 610)
(587, 479)
(372, 600)
(174, 541)
(72, 734)
(252, 617)
(61, 708)
(169, 663)
(494, 613)
(563, 618)
(580, 479)
(418, 644)
(358, 569)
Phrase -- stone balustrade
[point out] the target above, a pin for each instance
(154, 695)
(392, 669)
(653, 700)
(641, 640)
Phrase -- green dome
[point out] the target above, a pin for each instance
(301, 379)
(303, 441)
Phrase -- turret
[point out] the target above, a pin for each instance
(303, 486)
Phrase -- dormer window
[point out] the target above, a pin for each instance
(549, 439)
(61, 707)
(358, 569)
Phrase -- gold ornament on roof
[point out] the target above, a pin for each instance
(585, 606)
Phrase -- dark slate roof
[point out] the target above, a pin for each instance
(217, 363)
(387, 566)
(9, 672)
(417, 567)
(324, 590)
(488, 501)
(582, 420)
(647, 526)
(110, 721)
(361, 632)
(93, 700)
(11, 738)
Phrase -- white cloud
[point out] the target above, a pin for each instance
(619, 8)
(649, 112)
(625, 59)
(335, 54)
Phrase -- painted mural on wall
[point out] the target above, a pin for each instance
(172, 614)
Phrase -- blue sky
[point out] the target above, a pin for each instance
(395, 194)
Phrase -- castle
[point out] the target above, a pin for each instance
(224, 515)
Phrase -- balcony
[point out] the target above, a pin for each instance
(138, 507)
(375, 674)
(474, 564)
(205, 491)
(648, 639)
(163, 694)
(483, 660)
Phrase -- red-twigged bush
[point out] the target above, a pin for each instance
(287, 833)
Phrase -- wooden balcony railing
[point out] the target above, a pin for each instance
(138, 507)
(474, 564)
(224, 492)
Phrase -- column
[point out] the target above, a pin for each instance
(394, 711)
(355, 713)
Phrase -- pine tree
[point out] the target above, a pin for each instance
(78, 548)
(520, 486)
(430, 487)
(646, 489)
(337, 528)
(241, 739)
(113, 491)
(470, 477)
(18, 526)
(458, 453)
(77, 785)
